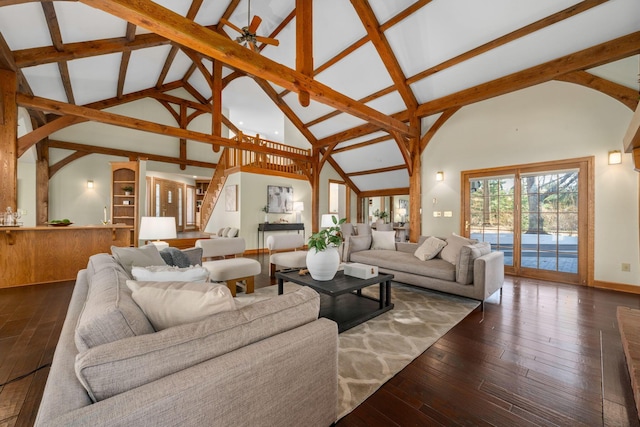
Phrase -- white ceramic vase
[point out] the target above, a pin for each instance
(323, 265)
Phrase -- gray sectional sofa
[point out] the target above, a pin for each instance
(477, 272)
(269, 363)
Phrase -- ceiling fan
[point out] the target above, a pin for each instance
(248, 36)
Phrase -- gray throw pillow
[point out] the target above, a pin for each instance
(468, 255)
(429, 249)
(175, 257)
(143, 256)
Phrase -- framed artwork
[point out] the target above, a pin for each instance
(231, 198)
(403, 204)
(279, 199)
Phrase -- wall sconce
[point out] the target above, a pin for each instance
(439, 176)
(615, 157)
(90, 184)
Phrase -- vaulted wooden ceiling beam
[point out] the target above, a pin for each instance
(91, 149)
(379, 170)
(628, 97)
(612, 50)
(380, 42)
(507, 38)
(56, 39)
(61, 108)
(185, 32)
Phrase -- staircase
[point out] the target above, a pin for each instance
(212, 194)
(281, 160)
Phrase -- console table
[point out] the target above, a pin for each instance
(278, 226)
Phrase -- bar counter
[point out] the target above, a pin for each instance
(41, 254)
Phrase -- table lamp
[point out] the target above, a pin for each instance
(298, 207)
(327, 220)
(155, 228)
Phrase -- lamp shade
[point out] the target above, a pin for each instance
(298, 206)
(157, 227)
(327, 220)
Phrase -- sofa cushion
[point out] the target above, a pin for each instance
(109, 313)
(142, 256)
(383, 240)
(429, 249)
(168, 303)
(232, 232)
(451, 252)
(120, 366)
(355, 244)
(406, 262)
(468, 254)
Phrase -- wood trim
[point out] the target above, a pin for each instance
(386, 192)
(620, 287)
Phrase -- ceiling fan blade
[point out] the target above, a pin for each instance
(253, 47)
(268, 40)
(255, 23)
(230, 25)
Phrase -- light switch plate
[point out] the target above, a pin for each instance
(448, 214)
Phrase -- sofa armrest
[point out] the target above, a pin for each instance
(288, 379)
(488, 273)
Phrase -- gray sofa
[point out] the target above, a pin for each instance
(473, 276)
(269, 363)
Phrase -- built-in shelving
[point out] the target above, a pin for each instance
(124, 204)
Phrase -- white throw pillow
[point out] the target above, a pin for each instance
(232, 232)
(168, 273)
(383, 240)
(168, 304)
(429, 249)
(451, 252)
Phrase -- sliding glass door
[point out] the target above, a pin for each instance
(538, 215)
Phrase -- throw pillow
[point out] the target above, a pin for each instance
(220, 232)
(168, 304)
(429, 249)
(451, 252)
(383, 240)
(142, 256)
(468, 255)
(232, 232)
(168, 273)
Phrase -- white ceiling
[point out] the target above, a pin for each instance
(437, 31)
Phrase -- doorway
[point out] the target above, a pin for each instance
(539, 215)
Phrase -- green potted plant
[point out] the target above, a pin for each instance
(127, 189)
(323, 259)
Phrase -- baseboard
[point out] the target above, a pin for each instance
(620, 287)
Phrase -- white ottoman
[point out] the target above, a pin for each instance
(295, 259)
(233, 270)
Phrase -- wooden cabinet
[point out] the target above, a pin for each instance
(124, 196)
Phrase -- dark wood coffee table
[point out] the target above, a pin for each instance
(341, 298)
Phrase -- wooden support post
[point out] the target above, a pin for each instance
(216, 100)
(8, 140)
(315, 190)
(304, 44)
(415, 184)
(42, 182)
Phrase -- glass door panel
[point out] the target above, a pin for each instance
(550, 221)
(492, 213)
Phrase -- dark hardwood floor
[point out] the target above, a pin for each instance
(540, 354)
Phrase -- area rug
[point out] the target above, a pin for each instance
(373, 352)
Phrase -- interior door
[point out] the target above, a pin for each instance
(168, 201)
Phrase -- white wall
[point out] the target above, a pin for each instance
(547, 122)
(253, 196)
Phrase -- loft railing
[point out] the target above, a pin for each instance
(270, 161)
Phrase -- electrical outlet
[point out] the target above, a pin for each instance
(626, 266)
(437, 214)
